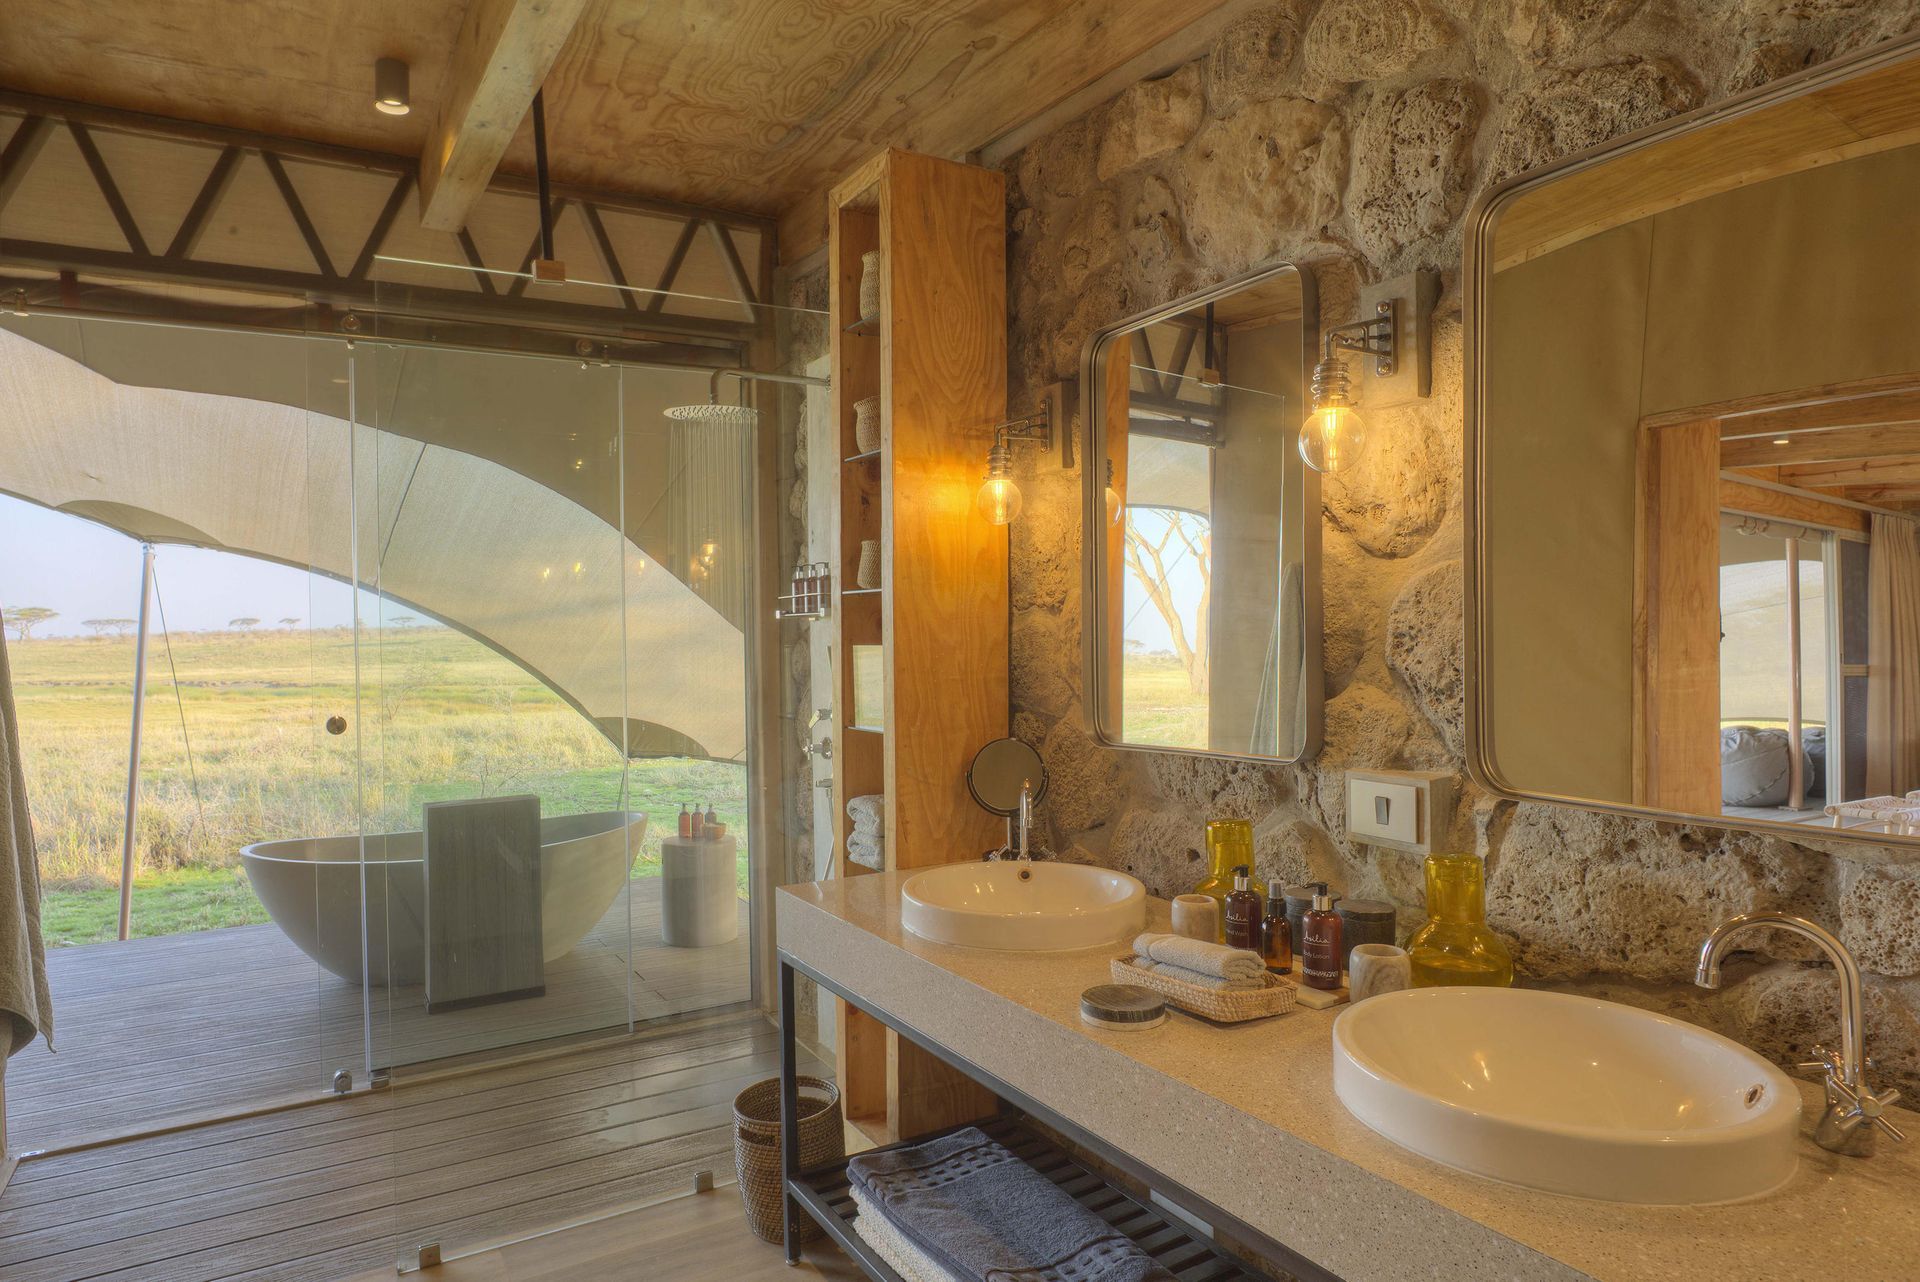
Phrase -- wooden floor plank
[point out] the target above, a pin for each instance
(334, 1189)
(240, 1017)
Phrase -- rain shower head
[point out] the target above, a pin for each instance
(721, 415)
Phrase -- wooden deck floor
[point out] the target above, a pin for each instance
(151, 1032)
(347, 1185)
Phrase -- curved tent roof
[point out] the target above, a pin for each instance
(533, 573)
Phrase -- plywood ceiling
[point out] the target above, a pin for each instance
(754, 105)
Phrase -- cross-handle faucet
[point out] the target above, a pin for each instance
(1850, 1100)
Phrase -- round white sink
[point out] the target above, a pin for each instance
(1025, 907)
(1568, 1094)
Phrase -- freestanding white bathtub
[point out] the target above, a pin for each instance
(311, 888)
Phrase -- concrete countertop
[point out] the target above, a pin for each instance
(1247, 1118)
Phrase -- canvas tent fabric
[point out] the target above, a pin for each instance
(537, 574)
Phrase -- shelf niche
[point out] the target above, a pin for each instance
(936, 357)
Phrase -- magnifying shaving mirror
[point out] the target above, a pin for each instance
(999, 772)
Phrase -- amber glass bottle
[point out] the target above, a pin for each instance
(1244, 910)
(1320, 949)
(1229, 844)
(1276, 932)
(1455, 947)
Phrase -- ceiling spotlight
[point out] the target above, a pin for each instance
(390, 87)
(1781, 440)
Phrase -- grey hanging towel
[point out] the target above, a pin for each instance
(982, 1213)
(24, 998)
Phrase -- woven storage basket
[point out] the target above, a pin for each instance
(870, 284)
(1227, 1007)
(866, 425)
(756, 1149)
(868, 573)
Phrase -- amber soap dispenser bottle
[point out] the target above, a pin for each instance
(1320, 942)
(1244, 911)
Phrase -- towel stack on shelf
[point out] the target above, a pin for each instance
(962, 1208)
(866, 844)
(1195, 961)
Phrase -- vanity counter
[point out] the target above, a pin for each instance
(1246, 1117)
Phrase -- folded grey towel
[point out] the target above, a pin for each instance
(1197, 954)
(979, 1212)
(867, 809)
(878, 1232)
(1198, 979)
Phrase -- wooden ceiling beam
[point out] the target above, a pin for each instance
(1827, 446)
(503, 53)
(1853, 472)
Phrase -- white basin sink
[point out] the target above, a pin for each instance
(1568, 1094)
(1026, 907)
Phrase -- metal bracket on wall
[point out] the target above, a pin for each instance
(1403, 308)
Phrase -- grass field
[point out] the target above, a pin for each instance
(439, 717)
(1159, 704)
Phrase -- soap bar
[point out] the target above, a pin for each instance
(1122, 1006)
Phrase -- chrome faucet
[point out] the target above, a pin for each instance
(1850, 1101)
(1017, 845)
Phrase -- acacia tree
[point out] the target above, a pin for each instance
(99, 627)
(245, 625)
(23, 621)
(1152, 562)
(121, 626)
(290, 622)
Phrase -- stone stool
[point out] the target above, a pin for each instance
(699, 901)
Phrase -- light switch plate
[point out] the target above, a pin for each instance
(1395, 808)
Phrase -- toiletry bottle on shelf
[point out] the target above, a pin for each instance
(698, 827)
(712, 826)
(1276, 934)
(1244, 911)
(686, 821)
(1320, 945)
(1229, 843)
(1455, 946)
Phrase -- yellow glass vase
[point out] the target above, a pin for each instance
(1455, 947)
(1229, 843)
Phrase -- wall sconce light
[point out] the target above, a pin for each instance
(999, 497)
(1334, 436)
(390, 93)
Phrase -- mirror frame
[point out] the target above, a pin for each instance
(1476, 281)
(1299, 535)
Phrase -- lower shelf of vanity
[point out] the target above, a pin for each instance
(1189, 1257)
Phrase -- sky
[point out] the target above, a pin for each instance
(87, 571)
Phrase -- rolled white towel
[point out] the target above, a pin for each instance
(1198, 980)
(868, 852)
(868, 809)
(1198, 955)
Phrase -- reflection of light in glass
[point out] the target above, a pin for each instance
(577, 567)
(1113, 497)
(546, 572)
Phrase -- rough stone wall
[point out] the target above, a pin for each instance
(1352, 135)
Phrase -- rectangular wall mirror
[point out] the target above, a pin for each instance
(1694, 465)
(1202, 543)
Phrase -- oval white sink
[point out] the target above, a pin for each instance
(1568, 1094)
(1027, 907)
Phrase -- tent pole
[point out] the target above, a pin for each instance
(133, 750)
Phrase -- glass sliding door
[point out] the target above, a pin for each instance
(490, 684)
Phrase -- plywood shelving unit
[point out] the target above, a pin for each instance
(936, 357)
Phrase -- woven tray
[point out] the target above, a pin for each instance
(1226, 1007)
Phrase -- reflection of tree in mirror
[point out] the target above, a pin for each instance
(23, 621)
(1159, 542)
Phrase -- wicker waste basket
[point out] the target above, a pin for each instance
(756, 1148)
